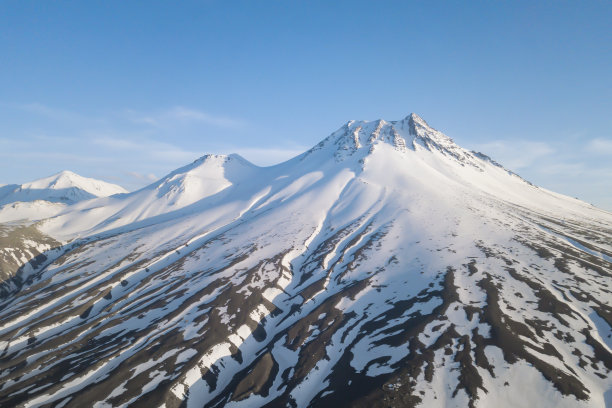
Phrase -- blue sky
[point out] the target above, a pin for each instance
(128, 91)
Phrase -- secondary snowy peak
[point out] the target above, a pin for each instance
(64, 187)
(207, 180)
(204, 177)
(67, 180)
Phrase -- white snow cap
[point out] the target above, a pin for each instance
(65, 186)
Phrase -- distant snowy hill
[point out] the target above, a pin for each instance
(46, 197)
(205, 178)
(386, 266)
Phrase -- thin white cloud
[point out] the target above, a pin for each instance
(166, 152)
(44, 110)
(145, 120)
(58, 115)
(516, 154)
(599, 146)
(142, 177)
(581, 172)
(180, 115)
(49, 156)
(164, 118)
(44, 138)
(563, 168)
(117, 144)
(147, 148)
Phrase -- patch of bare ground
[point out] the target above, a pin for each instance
(356, 389)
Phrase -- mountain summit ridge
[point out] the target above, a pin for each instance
(383, 267)
(412, 133)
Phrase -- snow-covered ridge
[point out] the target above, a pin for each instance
(205, 176)
(48, 196)
(409, 144)
(385, 266)
(411, 133)
(64, 187)
(205, 179)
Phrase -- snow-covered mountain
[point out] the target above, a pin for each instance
(46, 197)
(206, 178)
(386, 266)
(22, 205)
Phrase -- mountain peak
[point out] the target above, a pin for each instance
(204, 177)
(208, 162)
(415, 121)
(64, 187)
(410, 133)
(65, 173)
(415, 117)
(67, 179)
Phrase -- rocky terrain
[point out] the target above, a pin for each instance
(386, 266)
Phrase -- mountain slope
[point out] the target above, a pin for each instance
(21, 243)
(210, 178)
(387, 266)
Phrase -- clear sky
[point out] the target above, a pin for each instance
(128, 91)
